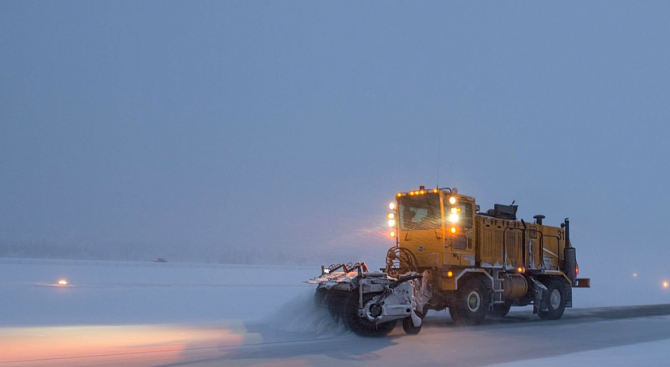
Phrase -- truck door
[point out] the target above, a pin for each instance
(459, 217)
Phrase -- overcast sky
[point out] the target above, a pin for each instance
(263, 126)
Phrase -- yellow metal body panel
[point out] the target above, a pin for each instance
(427, 245)
(450, 283)
(500, 244)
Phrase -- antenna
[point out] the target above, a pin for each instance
(439, 154)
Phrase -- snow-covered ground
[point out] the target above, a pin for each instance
(136, 292)
(163, 313)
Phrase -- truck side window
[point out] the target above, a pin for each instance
(466, 209)
(460, 213)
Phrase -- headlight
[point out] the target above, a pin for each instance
(453, 218)
(392, 223)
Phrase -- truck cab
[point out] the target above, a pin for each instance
(437, 225)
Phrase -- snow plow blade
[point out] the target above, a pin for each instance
(368, 303)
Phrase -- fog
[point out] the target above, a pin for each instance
(265, 132)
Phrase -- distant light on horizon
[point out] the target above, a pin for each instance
(62, 282)
(666, 284)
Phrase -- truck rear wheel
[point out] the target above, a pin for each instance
(471, 303)
(556, 301)
(361, 325)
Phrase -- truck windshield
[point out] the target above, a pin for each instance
(419, 212)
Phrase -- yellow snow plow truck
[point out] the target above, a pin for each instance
(448, 254)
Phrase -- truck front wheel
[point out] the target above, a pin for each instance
(471, 303)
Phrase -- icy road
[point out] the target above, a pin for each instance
(133, 314)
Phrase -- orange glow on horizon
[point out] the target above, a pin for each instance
(108, 345)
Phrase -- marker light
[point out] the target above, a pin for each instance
(390, 216)
(453, 230)
(452, 200)
(392, 223)
(392, 234)
(392, 206)
(450, 274)
(520, 270)
(62, 282)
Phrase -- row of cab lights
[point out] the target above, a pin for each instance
(417, 192)
(391, 218)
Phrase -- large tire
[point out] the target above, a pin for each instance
(409, 328)
(455, 314)
(471, 303)
(500, 310)
(335, 301)
(556, 302)
(320, 297)
(363, 326)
